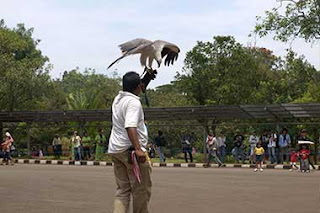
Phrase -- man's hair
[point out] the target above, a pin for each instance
(130, 81)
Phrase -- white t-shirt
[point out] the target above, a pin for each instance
(272, 141)
(126, 112)
(253, 140)
(221, 141)
(76, 141)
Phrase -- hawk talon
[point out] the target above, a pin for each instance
(150, 74)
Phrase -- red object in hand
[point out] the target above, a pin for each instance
(135, 166)
(304, 154)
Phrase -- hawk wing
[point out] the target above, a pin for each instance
(169, 51)
(132, 47)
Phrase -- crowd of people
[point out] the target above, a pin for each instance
(270, 147)
(83, 147)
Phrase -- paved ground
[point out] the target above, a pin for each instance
(49, 188)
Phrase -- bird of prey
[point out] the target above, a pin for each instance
(149, 51)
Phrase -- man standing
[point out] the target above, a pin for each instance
(187, 146)
(100, 142)
(86, 143)
(129, 134)
(222, 147)
(160, 142)
(239, 146)
(264, 143)
(213, 148)
(284, 143)
(56, 143)
(253, 140)
(76, 141)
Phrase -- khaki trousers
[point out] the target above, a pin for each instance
(128, 185)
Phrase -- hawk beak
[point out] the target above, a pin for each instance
(158, 63)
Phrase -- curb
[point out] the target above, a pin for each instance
(181, 165)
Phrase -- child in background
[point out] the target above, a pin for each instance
(40, 153)
(7, 149)
(293, 159)
(259, 152)
(304, 156)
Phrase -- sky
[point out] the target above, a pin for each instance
(86, 33)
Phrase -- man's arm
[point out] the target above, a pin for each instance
(133, 136)
(280, 140)
(289, 139)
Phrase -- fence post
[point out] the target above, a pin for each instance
(316, 144)
(1, 129)
(28, 139)
(205, 143)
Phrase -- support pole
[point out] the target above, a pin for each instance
(81, 127)
(316, 144)
(278, 128)
(28, 140)
(1, 130)
(205, 133)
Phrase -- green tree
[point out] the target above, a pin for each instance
(301, 18)
(167, 95)
(81, 101)
(299, 74)
(23, 74)
(225, 72)
(92, 84)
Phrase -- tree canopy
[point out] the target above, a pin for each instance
(299, 18)
(22, 68)
(225, 72)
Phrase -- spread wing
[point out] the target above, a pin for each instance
(134, 46)
(169, 51)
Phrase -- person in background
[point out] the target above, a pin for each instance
(40, 154)
(293, 159)
(284, 143)
(160, 142)
(194, 151)
(86, 143)
(187, 147)
(259, 152)
(76, 141)
(304, 156)
(101, 140)
(272, 148)
(213, 148)
(56, 144)
(2, 153)
(253, 140)
(264, 144)
(303, 137)
(277, 148)
(222, 147)
(151, 150)
(7, 149)
(239, 146)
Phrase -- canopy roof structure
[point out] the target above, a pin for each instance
(227, 112)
